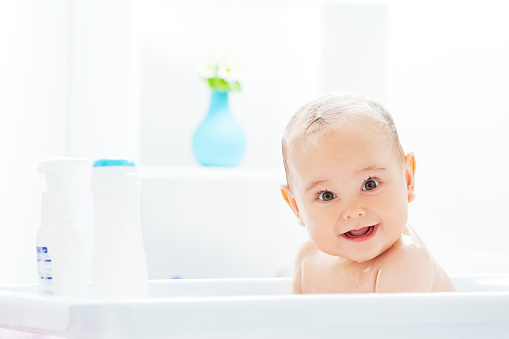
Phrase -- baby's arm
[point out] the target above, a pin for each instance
(297, 282)
(407, 269)
(297, 278)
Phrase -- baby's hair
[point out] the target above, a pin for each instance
(332, 109)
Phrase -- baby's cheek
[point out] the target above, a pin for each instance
(395, 206)
(399, 209)
(317, 233)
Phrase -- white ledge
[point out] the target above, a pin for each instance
(210, 173)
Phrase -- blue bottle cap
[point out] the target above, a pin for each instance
(112, 162)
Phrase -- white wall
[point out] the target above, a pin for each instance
(103, 96)
(354, 49)
(447, 91)
(33, 105)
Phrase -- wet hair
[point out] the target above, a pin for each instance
(333, 109)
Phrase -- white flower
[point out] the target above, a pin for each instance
(209, 71)
(224, 66)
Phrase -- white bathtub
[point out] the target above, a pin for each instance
(262, 308)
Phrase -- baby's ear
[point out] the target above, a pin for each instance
(410, 175)
(290, 200)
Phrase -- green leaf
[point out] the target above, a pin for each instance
(219, 84)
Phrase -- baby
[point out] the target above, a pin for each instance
(349, 183)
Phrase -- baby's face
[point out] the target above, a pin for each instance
(351, 191)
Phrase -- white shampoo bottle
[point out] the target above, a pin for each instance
(61, 256)
(119, 268)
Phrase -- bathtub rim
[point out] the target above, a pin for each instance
(75, 317)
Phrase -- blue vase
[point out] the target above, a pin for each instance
(219, 139)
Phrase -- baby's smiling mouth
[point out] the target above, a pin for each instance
(361, 234)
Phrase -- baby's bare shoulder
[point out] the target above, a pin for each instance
(406, 268)
(305, 250)
(414, 251)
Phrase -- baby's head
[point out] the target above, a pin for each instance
(348, 179)
(337, 109)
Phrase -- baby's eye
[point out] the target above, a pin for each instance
(370, 185)
(326, 196)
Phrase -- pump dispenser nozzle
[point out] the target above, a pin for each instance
(57, 201)
(58, 170)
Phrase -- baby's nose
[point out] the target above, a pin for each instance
(353, 210)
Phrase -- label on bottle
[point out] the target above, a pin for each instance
(44, 267)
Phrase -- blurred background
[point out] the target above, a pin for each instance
(118, 78)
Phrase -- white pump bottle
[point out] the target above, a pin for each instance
(61, 252)
(119, 267)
